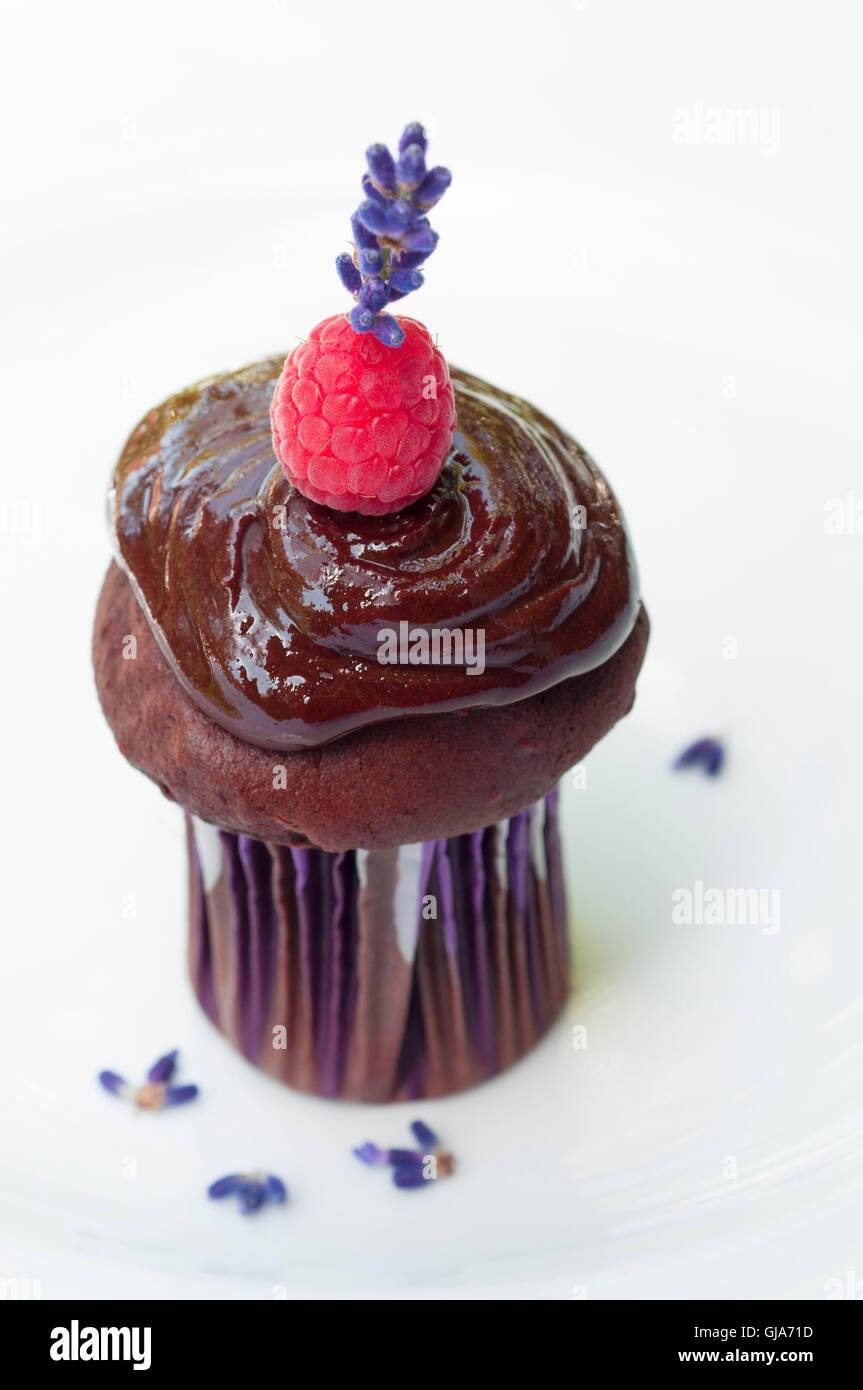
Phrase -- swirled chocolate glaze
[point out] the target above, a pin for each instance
(269, 607)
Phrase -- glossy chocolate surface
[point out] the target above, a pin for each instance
(268, 607)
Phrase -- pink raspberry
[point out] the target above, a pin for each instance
(359, 426)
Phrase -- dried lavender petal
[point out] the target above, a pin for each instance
(401, 1157)
(164, 1068)
(714, 760)
(252, 1197)
(223, 1187)
(708, 753)
(409, 1175)
(275, 1189)
(370, 1153)
(424, 1136)
(180, 1095)
(113, 1083)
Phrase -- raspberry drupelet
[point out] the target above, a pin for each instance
(363, 414)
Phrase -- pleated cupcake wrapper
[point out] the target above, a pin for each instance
(330, 971)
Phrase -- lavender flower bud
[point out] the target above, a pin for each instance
(374, 295)
(433, 187)
(406, 280)
(362, 236)
(373, 193)
(361, 320)
(371, 262)
(373, 216)
(388, 331)
(381, 166)
(413, 134)
(348, 273)
(421, 238)
(411, 168)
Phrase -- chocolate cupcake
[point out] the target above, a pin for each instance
(375, 609)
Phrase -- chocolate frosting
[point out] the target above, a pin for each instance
(268, 607)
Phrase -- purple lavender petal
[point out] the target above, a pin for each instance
(705, 752)
(400, 1158)
(113, 1083)
(409, 1175)
(164, 1068)
(179, 1095)
(252, 1197)
(714, 760)
(275, 1189)
(425, 1137)
(693, 753)
(223, 1187)
(370, 1153)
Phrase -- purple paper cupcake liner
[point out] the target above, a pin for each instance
(387, 975)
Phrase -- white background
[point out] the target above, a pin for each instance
(177, 179)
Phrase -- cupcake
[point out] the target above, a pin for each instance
(365, 611)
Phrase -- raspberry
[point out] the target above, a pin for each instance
(359, 426)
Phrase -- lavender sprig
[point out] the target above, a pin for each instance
(392, 235)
